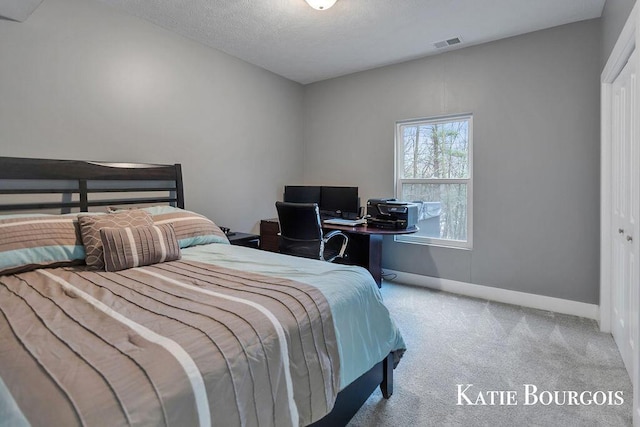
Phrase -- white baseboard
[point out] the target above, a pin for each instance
(558, 305)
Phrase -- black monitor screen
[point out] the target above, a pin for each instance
(339, 200)
(302, 194)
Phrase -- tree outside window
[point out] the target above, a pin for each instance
(434, 169)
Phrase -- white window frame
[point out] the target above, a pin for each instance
(399, 160)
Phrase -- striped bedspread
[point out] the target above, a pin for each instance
(181, 343)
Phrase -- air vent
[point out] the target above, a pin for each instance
(447, 43)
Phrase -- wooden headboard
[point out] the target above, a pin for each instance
(85, 184)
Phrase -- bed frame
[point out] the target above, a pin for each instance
(131, 181)
(83, 185)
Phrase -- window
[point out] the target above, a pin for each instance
(434, 169)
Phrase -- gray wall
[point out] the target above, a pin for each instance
(614, 16)
(83, 81)
(535, 103)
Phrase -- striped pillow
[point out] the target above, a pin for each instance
(28, 242)
(192, 229)
(137, 246)
(90, 226)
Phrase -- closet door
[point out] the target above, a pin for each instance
(625, 206)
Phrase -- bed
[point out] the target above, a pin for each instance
(146, 315)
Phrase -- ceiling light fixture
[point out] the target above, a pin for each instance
(321, 4)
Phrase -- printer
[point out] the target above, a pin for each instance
(391, 214)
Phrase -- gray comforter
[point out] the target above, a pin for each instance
(180, 343)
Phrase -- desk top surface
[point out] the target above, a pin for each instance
(361, 229)
(365, 229)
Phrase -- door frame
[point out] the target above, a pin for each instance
(622, 50)
(628, 40)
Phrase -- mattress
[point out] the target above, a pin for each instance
(226, 336)
(365, 330)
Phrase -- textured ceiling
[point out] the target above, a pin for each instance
(293, 40)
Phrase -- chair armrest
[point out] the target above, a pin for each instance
(343, 248)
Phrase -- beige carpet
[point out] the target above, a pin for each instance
(454, 340)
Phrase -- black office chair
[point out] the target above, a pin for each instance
(301, 233)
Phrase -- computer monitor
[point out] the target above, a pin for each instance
(339, 201)
(302, 194)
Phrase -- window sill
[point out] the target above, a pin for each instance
(433, 242)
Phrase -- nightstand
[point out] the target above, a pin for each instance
(244, 239)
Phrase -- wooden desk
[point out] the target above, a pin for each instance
(364, 249)
(365, 246)
(269, 229)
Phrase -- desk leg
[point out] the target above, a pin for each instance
(365, 250)
(374, 264)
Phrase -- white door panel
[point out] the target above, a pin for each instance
(625, 188)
